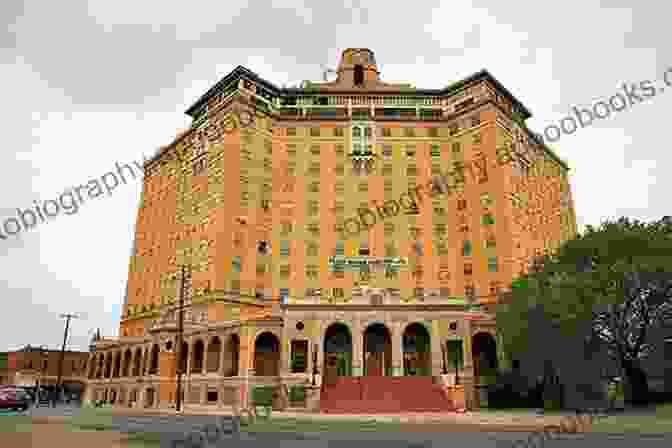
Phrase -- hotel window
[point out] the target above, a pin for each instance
(340, 170)
(291, 132)
(285, 228)
(433, 132)
(456, 148)
(490, 243)
(390, 250)
(364, 249)
(340, 248)
(412, 170)
(338, 132)
(440, 230)
(314, 132)
(338, 293)
(359, 75)
(410, 151)
(314, 169)
(461, 204)
(291, 150)
(454, 129)
(466, 248)
(492, 264)
(387, 170)
(339, 207)
(235, 286)
(475, 121)
(444, 292)
(387, 132)
(269, 147)
(268, 165)
(291, 169)
(340, 150)
(284, 295)
(477, 138)
(388, 229)
(312, 250)
(387, 151)
(314, 228)
(339, 187)
(438, 209)
(486, 200)
(488, 219)
(468, 269)
(367, 132)
(436, 170)
(363, 187)
(315, 149)
(356, 132)
(441, 248)
(261, 269)
(312, 271)
(388, 186)
(313, 208)
(419, 293)
(435, 151)
(409, 132)
(285, 271)
(284, 248)
(314, 187)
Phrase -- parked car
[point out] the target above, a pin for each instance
(12, 397)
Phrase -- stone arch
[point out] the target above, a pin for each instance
(154, 360)
(337, 349)
(127, 363)
(267, 354)
(214, 354)
(484, 352)
(231, 352)
(198, 353)
(137, 362)
(377, 349)
(416, 347)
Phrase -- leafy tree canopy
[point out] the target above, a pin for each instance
(588, 274)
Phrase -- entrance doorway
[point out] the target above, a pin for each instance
(337, 353)
(417, 353)
(377, 350)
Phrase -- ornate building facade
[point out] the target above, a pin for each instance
(350, 228)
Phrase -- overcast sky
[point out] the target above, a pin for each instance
(84, 85)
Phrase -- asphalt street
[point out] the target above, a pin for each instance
(178, 427)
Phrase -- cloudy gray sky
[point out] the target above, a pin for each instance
(87, 84)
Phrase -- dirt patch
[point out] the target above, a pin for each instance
(43, 435)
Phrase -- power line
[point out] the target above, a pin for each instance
(67, 318)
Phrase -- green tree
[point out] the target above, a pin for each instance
(617, 277)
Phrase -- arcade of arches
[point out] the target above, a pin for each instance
(218, 367)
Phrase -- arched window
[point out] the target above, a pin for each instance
(359, 75)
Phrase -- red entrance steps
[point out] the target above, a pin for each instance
(383, 394)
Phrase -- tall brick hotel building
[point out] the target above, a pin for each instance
(268, 202)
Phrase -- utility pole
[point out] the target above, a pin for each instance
(67, 318)
(180, 335)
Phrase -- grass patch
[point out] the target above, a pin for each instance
(659, 422)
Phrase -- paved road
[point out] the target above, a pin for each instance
(178, 426)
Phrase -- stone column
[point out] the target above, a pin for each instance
(397, 349)
(357, 348)
(204, 368)
(435, 345)
(190, 347)
(467, 377)
(285, 348)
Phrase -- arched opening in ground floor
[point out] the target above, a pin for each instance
(484, 351)
(417, 350)
(267, 355)
(337, 352)
(377, 350)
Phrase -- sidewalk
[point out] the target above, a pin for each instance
(482, 421)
